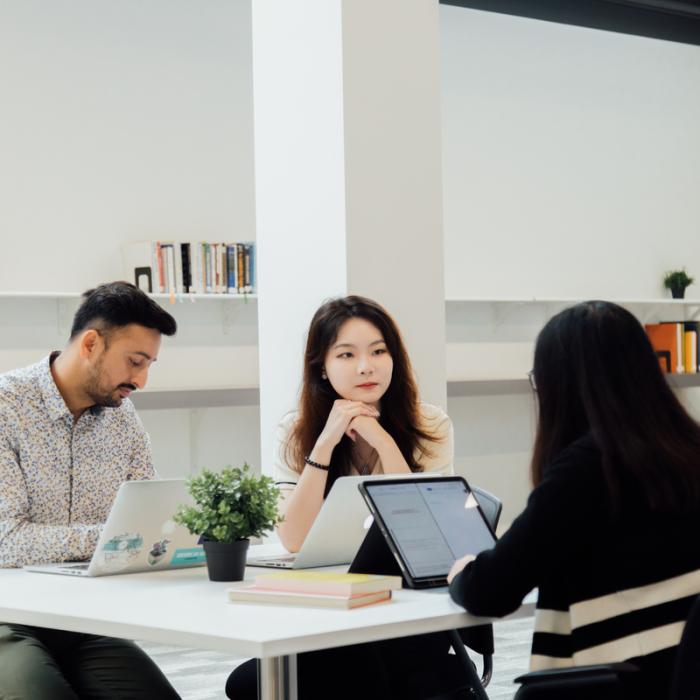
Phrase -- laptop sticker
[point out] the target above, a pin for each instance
(158, 552)
(119, 551)
(188, 555)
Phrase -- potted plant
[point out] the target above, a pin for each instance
(230, 507)
(677, 281)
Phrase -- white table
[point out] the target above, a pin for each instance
(183, 607)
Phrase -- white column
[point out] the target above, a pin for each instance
(348, 179)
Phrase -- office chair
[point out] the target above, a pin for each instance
(685, 684)
(613, 680)
(602, 681)
(491, 506)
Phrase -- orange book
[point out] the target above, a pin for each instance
(664, 339)
(253, 594)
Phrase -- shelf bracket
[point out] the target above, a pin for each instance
(694, 314)
(195, 421)
(646, 315)
(64, 316)
(229, 313)
(502, 311)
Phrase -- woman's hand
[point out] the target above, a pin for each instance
(459, 565)
(341, 416)
(368, 428)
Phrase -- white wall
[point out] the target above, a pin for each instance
(493, 439)
(127, 121)
(571, 166)
(571, 159)
(200, 355)
(120, 121)
(184, 441)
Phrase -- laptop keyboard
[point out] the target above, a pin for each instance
(272, 560)
(281, 562)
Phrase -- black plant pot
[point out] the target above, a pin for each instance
(678, 292)
(226, 560)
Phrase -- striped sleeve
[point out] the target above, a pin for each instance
(618, 626)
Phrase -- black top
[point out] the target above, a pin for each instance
(613, 585)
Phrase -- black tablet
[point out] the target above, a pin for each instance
(428, 524)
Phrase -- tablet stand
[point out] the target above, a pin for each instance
(375, 557)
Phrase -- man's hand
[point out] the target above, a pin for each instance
(459, 565)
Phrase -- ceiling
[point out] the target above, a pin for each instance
(673, 20)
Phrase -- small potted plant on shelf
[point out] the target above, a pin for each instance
(230, 507)
(677, 281)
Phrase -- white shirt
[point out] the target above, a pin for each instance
(433, 420)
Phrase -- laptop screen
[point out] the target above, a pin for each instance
(431, 523)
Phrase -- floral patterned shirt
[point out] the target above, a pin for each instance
(59, 476)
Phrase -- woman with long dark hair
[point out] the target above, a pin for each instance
(359, 413)
(609, 532)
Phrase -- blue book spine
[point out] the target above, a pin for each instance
(231, 268)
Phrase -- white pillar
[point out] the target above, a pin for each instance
(348, 179)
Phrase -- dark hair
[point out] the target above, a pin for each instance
(596, 372)
(118, 304)
(400, 407)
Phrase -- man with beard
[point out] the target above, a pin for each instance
(69, 437)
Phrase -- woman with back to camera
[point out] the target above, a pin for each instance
(359, 413)
(609, 532)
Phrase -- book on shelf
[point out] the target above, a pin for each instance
(252, 594)
(186, 266)
(168, 253)
(676, 345)
(203, 267)
(690, 352)
(327, 582)
(232, 268)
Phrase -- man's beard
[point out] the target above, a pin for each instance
(101, 396)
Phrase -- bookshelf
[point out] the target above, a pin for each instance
(503, 386)
(177, 298)
(212, 362)
(201, 405)
(212, 397)
(642, 308)
(490, 342)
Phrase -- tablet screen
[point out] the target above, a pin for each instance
(431, 523)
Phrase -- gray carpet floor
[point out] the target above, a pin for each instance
(201, 675)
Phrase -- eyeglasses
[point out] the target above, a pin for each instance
(531, 379)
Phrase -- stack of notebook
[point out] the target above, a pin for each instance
(316, 588)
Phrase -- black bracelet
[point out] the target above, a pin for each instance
(311, 463)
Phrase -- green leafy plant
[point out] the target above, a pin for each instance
(231, 505)
(677, 279)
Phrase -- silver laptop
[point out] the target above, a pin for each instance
(140, 534)
(338, 531)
